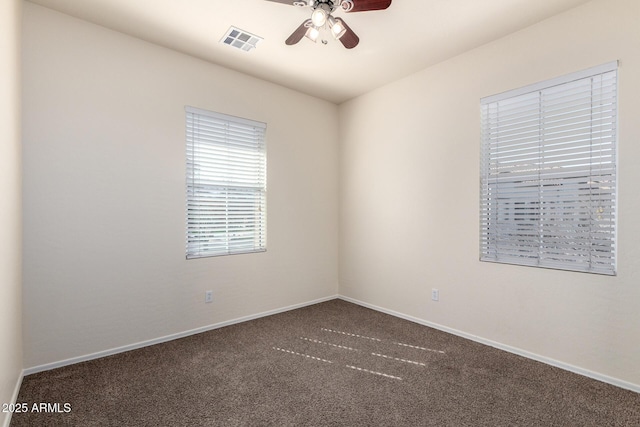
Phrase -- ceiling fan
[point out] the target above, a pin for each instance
(321, 18)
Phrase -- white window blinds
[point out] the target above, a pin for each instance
(548, 174)
(226, 185)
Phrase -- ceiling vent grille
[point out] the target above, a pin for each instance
(240, 39)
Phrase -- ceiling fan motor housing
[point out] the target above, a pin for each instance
(328, 5)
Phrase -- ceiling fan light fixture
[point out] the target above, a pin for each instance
(319, 17)
(337, 28)
(312, 34)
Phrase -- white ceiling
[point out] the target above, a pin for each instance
(408, 36)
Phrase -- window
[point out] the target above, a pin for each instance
(226, 185)
(548, 174)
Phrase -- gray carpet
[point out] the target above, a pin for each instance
(331, 364)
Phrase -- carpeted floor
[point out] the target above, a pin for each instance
(331, 364)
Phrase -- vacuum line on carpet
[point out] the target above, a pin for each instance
(398, 359)
(328, 343)
(300, 354)
(351, 335)
(374, 372)
(419, 348)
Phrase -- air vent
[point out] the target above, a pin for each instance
(240, 39)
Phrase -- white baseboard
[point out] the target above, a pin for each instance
(110, 352)
(577, 370)
(567, 367)
(14, 398)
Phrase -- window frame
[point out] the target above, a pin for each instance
(521, 243)
(226, 184)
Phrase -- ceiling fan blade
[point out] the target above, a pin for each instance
(364, 5)
(299, 33)
(349, 39)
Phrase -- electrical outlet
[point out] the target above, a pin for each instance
(208, 296)
(435, 295)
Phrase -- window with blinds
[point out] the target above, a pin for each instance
(226, 185)
(548, 173)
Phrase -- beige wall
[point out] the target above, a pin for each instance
(10, 203)
(104, 196)
(104, 192)
(410, 200)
